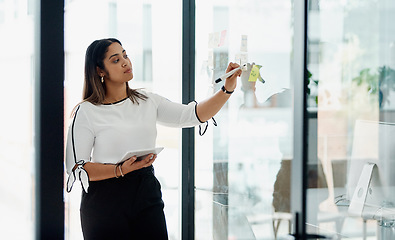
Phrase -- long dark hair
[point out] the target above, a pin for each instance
(94, 90)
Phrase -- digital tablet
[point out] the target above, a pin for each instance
(140, 154)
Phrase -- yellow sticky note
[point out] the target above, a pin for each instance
(254, 74)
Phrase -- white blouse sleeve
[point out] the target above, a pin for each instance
(79, 146)
(173, 114)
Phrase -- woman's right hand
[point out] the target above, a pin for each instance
(131, 164)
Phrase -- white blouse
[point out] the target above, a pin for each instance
(104, 133)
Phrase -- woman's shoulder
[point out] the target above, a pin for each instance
(85, 105)
(155, 95)
(150, 95)
(82, 106)
(144, 91)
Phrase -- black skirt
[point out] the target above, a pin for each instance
(128, 207)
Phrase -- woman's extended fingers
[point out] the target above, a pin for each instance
(132, 159)
(132, 164)
(230, 82)
(145, 162)
(149, 160)
(232, 66)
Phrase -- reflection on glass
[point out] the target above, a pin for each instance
(352, 62)
(152, 38)
(16, 146)
(238, 162)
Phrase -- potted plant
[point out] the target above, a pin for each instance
(381, 82)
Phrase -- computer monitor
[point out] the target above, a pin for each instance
(371, 176)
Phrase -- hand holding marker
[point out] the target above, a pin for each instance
(244, 67)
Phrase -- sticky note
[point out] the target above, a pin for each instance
(216, 39)
(254, 74)
(223, 38)
(243, 46)
(210, 59)
(211, 43)
(241, 58)
(238, 58)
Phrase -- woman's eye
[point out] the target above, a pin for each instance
(116, 60)
(126, 56)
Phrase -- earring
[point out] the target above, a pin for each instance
(102, 79)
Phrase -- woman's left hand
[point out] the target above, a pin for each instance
(231, 82)
(132, 164)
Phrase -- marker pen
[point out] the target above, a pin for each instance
(228, 74)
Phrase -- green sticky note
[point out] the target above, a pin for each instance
(254, 74)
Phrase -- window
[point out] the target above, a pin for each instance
(355, 75)
(240, 163)
(152, 38)
(16, 124)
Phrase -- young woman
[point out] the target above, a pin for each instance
(124, 201)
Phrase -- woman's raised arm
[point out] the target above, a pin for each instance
(207, 108)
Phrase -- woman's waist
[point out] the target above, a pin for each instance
(146, 170)
(130, 176)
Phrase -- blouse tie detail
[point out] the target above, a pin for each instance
(79, 173)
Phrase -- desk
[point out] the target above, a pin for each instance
(383, 216)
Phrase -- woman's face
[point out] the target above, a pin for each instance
(117, 65)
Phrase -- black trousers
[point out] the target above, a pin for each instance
(130, 207)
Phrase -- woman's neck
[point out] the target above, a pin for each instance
(115, 93)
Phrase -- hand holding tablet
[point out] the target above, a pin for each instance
(140, 154)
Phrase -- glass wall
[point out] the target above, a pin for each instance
(152, 39)
(16, 126)
(242, 166)
(351, 61)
